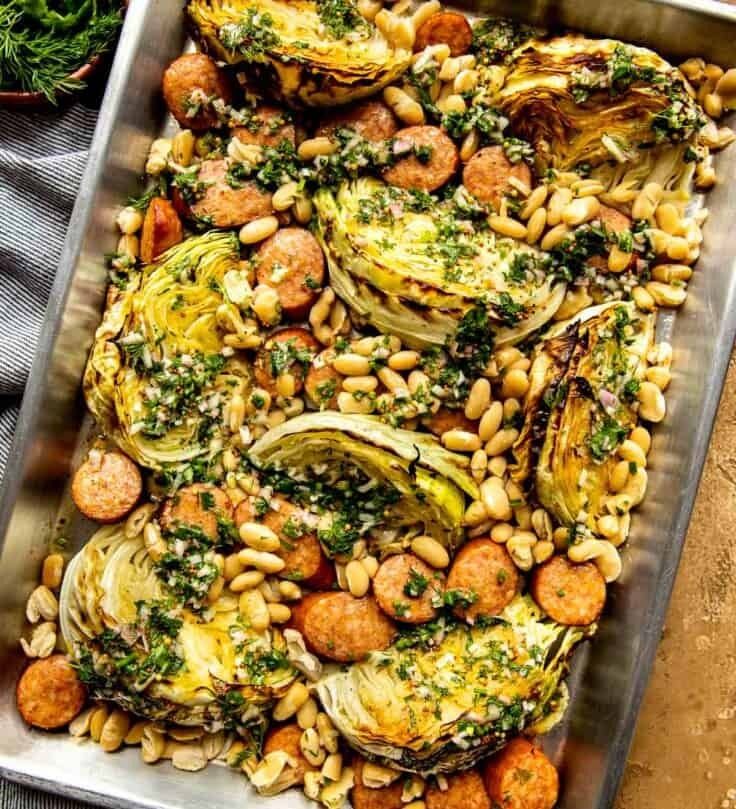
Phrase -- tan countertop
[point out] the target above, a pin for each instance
(684, 752)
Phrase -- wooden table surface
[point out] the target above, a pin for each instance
(684, 753)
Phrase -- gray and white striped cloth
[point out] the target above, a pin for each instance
(41, 162)
(42, 157)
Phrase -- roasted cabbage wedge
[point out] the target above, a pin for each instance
(587, 102)
(157, 378)
(428, 481)
(314, 54)
(435, 709)
(413, 265)
(580, 406)
(133, 642)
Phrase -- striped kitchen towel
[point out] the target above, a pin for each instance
(42, 157)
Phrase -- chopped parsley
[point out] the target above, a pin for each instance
(401, 608)
(294, 528)
(522, 265)
(280, 164)
(495, 38)
(252, 37)
(352, 503)
(459, 598)
(487, 121)
(679, 120)
(416, 584)
(340, 17)
(190, 186)
(175, 389)
(141, 202)
(285, 353)
(325, 391)
(508, 310)
(569, 259)
(259, 664)
(188, 568)
(232, 705)
(473, 342)
(606, 437)
(145, 650)
(617, 74)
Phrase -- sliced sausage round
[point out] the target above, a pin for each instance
(187, 84)
(446, 27)
(445, 419)
(286, 351)
(406, 588)
(300, 609)
(372, 120)
(431, 159)
(200, 505)
(571, 594)
(614, 220)
(291, 261)
(484, 568)
(161, 229)
(340, 627)
(465, 790)
(49, 694)
(285, 738)
(521, 777)
(300, 548)
(268, 126)
(106, 486)
(486, 175)
(323, 382)
(363, 797)
(227, 204)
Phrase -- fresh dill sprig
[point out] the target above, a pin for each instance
(38, 55)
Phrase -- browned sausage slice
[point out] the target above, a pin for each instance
(291, 261)
(161, 229)
(187, 84)
(465, 790)
(431, 159)
(445, 419)
(227, 204)
(372, 120)
(447, 27)
(483, 567)
(571, 594)
(614, 220)
(323, 382)
(200, 505)
(363, 797)
(340, 627)
(49, 693)
(268, 126)
(486, 175)
(106, 486)
(323, 577)
(286, 738)
(288, 350)
(300, 609)
(405, 588)
(521, 777)
(300, 548)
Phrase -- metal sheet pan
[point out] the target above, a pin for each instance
(609, 675)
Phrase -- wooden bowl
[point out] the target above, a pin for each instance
(30, 102)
